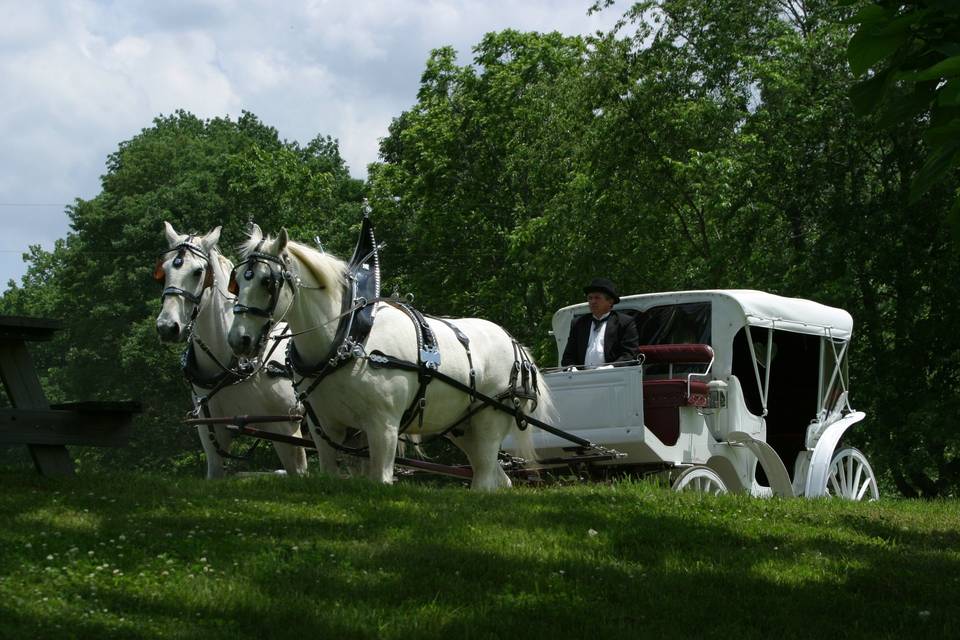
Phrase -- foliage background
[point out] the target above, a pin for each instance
(699, 145)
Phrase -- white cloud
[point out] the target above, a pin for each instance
(84, 75)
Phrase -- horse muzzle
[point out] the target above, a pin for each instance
(242, 343)
(170, 331)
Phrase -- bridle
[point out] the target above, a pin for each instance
(160, 275)
(274, 286)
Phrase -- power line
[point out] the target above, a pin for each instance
(33, 204)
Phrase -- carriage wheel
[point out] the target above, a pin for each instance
(700, 479)
(851, 476)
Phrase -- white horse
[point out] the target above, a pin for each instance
(306, 288)
(197, 307)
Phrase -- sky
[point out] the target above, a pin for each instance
(80, 76)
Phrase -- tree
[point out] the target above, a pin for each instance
(467, 175)
(197, 174)
(908, 56)
(698, 145)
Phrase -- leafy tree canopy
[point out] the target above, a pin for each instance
(197, 174)
(908, 56)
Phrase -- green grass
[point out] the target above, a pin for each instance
(132, 556)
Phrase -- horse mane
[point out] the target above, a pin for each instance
(224, 261)
(324, 268)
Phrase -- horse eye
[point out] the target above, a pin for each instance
(198, 271)
(267, 281)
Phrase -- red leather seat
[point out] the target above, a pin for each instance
(662, 400)
(676, 353)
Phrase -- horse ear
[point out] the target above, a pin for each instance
(173, 237)
(282, 240)
(256, 233)
(158, 273)
(211, 239)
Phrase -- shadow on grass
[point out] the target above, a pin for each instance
(296, 556)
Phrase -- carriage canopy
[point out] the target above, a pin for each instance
(716, 316)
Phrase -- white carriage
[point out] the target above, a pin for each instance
(735, 390)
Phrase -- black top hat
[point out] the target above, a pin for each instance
(603, 285)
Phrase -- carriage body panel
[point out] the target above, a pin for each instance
(753, 415)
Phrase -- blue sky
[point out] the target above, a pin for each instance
(80, 76)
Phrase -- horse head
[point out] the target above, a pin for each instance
(263, 284)
(267, 284)
(186, 272)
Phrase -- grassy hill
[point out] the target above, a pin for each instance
(270, 557)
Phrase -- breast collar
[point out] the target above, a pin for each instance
(227, 375)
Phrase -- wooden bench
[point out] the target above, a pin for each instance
(46, 429)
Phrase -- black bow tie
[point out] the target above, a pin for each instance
(598, 322)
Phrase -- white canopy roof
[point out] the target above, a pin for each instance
(731, 310)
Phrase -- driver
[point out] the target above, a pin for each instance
(604, 336)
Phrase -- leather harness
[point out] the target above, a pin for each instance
(355, 322)
(230, 374)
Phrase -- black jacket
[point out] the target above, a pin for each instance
(620, 340)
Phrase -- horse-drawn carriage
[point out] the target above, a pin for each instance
(727, 389)
(731, 391)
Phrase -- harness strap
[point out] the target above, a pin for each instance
(515, 411)
(212, 436)
(465, 341)
(313, 424)
(380, 360)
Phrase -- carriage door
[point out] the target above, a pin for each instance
(782, 368)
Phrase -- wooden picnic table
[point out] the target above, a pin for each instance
(47, 429)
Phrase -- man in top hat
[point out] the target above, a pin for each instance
(604, 336)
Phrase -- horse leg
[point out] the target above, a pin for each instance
(214, 459)
(292, 457)
(325, 451)
(383, 451)
(327, 454)
(481, 444)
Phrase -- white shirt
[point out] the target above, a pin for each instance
(594, 356)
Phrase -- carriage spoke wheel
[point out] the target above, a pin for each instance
(700, 479)
(851, 477)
